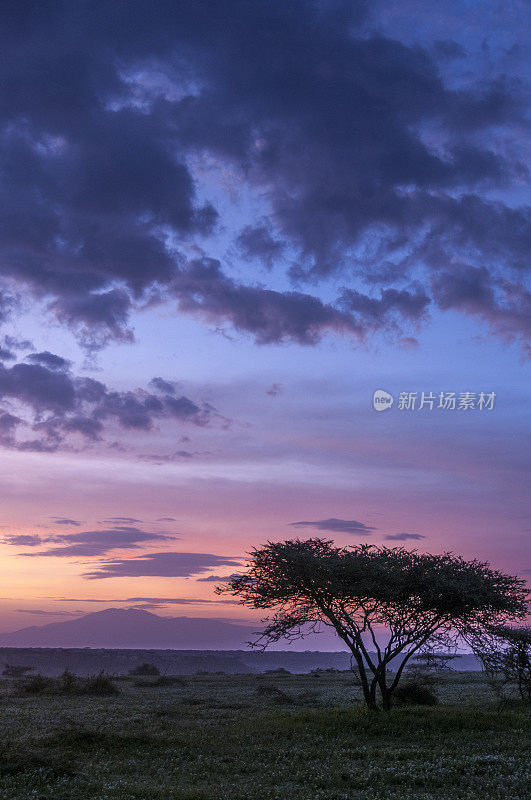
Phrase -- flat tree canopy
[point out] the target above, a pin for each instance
(421, 600)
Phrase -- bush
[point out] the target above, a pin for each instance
(145, 669)
(415, 693)
(324, 671)
(16, 670)
(69, 683)
(98, 684)
(37, 684)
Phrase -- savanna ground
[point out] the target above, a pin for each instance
(296, 737)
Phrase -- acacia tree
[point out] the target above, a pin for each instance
(421, 600)
(506, 657)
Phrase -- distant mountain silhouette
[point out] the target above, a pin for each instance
(132, 628)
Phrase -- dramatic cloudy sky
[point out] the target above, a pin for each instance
(224, 224)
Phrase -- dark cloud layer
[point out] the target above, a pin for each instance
(49, 360)
(89, 543)
(52, 404)
(337, 525)
(503, 304)
(179, 601)
(168, 565)
(257, 241)
(372, 164)
(23, 540)
(271, 316)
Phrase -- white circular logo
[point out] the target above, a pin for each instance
(381, 400)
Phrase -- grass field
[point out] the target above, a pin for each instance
(288, 737)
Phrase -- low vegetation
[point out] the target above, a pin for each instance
(306, 737)
(415, 693)
(145, 669)
(68, 683)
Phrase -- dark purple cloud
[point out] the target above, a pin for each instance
(41, 388)
(23, 540)
(179, 601)
(503, 304)
(271, 316)
(85, 600)
(8, 426)
(163, 386)
(97, 318)
(66, 521)
(168, 565)
(166, 458)
(402, 537)
(153, 601)
(275, 389)
(98, 542)
(376, 312)
(16, 344)
(257, 242)
(49, 360)
(54, 403)
(373, 162)
(336, 525)
(217, 578)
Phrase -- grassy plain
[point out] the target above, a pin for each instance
(269, 737)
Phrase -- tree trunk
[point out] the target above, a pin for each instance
(386, 701)
(386, 693)
(369, 692)
(371, 701)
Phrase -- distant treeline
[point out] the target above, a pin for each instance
(88, 661)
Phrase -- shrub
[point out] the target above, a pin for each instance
(145, 669)
(324, 671)
(99, 685)
(15, 670)
(506, 659)
(37, 684)
(69, 683)
(415, 693)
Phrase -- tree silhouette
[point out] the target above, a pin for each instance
(506, 657)
(417, 600)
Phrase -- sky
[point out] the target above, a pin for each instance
(224, 226)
